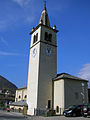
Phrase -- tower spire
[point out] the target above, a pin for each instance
(44, 16)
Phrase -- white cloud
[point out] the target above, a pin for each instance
(7, 22)
(2, 40)
(3, 25)
(11, 54)
(15, 18)
(22, 2)
(85, 72)
(8, 53)
(12, 65)
(29, 19)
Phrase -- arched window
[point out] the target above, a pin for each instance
(19, 97)
(25, 96)
(57, 109)
(50, 37)
(35, 38)
(46, 36)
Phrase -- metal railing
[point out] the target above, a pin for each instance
(40, 112)
(47, 112)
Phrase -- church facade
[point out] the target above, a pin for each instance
(45, 88)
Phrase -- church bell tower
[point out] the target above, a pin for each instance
(42, 64)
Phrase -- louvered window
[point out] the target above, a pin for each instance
(48, 37)
(35, 38)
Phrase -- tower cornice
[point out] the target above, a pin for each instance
(44, 26)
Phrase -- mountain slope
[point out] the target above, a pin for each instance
(7, 85)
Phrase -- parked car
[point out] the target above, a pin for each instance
(86, 110)
(75, 110)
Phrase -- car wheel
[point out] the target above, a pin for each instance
(74, 114)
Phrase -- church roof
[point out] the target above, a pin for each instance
(44, 17)
(68, 76)
(19, 103)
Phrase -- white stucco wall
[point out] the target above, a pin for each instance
(22, 93)
(69, 92)
(32, 86)
(42, 68)
(59, 94)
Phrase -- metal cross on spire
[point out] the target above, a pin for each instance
(45, 1)
(45, 4)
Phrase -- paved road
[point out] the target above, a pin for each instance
(18, 116)
(11, 116)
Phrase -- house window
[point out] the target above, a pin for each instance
(35, 38)
(49, 104)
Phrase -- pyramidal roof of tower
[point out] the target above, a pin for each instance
(44, 21)
(44, 17)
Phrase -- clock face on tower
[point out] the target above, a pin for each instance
(34, 52)
(48, 51)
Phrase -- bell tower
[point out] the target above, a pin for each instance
(42, 64)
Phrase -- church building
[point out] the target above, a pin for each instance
(45, 88)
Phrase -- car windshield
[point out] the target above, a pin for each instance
(71, 107)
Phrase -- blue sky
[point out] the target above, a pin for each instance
(17, 17)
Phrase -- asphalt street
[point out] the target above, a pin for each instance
(4, 115)
(18, 116)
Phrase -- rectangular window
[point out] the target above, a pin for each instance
(76, 95)
(49, 104)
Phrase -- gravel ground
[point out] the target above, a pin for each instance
(57, 118)
(18, 116)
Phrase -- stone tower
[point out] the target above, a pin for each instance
(42, 64)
